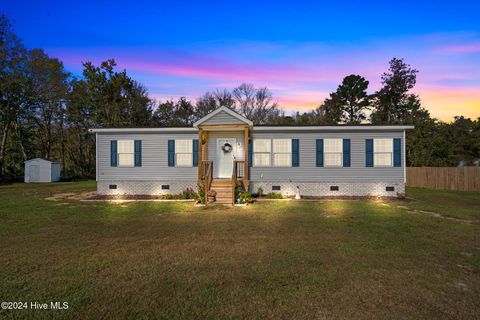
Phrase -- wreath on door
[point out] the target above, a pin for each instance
(227, 147)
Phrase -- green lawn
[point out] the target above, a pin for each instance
(457, 204)
(274, 260)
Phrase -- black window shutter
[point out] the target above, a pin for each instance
(138, 153)
(295, 153)
(171, 153)
(397, 152)
(195, 152)
(250, 154)
(319, 146)
(346, 152)
(113, 153)
(369, 152)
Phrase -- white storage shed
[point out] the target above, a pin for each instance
(41, 170)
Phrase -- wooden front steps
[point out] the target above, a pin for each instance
(224, 189)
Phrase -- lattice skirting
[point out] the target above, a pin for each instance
(126, 187)
(312, 189)
(324, 189)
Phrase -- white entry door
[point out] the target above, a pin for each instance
(224, 161)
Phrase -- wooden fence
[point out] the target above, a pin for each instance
(463, 178)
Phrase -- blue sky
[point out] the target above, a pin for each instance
(300, 50)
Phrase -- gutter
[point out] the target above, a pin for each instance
(258, 129)
(334, 128)
(141, 130)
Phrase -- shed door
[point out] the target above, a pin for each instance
(34, 173)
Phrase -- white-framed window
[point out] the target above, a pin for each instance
(282, 152)
(125, 153)
(333, 152)
(383, 152)
(261, 152)
(183, 153)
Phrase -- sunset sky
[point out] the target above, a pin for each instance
(300, 50)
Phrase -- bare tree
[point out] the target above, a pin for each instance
(256, 104)
(213, 100)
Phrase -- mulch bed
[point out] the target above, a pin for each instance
(132, 197)
(163, 197)
(366, 198)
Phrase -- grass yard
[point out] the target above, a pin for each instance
(274, 260)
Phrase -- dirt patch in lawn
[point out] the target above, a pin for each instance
(71, 196)
(438, 215)
(92, 196)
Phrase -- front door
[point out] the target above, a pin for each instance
(226, 152)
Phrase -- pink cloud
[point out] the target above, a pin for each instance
(301, 76)
(225, 70)
(461, 48)
(220, 70)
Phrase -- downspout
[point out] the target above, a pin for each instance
(96, 156)
(404, 144)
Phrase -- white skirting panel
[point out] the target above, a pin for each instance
(140, 187)
(312, 189)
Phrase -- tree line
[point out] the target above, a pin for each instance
(46, 112)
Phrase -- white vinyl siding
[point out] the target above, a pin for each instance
(261, 152)
(155, 157)
(125, 153)
(383, 152)
(282, 152)
(308, 172)
(183, 153)
(333, 152)
(223, 118)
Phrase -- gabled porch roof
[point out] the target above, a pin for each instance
(223, 116)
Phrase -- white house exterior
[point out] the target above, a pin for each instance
(339, 160)
(41, 170)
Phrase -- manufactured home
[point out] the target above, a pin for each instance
(224, 149)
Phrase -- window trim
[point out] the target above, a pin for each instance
(325, 165)
(119, 153)
(289, 153)
(269, 154)
(177, 153)
(382, 152)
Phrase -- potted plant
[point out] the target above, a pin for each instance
(211, 195)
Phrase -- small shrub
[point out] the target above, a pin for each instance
(171, 196)
(67, 179)
(238, 191)
(201, 196)
(260, 192)
(189, 194)
(245, 197)
(275, 195)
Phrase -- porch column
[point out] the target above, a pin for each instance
(245, 164)
(205, 150)
(200, 155)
